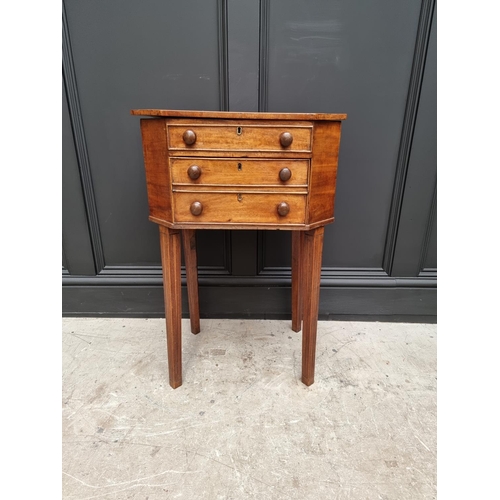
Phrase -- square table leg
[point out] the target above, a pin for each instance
(297, 280)
(311, 256)
(170, 242)
(189, 244)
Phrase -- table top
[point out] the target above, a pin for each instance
(238, 115)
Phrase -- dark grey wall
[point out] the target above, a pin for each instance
(376, 62)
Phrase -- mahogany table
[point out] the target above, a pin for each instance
(225, 170)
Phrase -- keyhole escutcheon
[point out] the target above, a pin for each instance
(238, 130)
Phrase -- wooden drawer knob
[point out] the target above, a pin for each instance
(189, 137)
(285, 174)
(283, 209)
(286, 139)
(194, 171)
(196, 208)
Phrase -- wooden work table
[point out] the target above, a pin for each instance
(225, 170)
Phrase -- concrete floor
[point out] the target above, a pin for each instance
(242, 425)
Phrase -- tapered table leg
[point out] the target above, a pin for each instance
(297, 280)
(311, 254)
(189, 244)
(170, 240)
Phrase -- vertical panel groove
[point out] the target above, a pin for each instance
(222, 37)
(264, 13)
(411, 109)
(222, 28)
(263, 54)
(65, 265)
(428, 231)
(80, 144)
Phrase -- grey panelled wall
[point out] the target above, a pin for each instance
(135, 54)
(354, 56)
(77, 249)
(416, 244)
(375, 61)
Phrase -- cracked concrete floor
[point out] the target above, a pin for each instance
(242, 425)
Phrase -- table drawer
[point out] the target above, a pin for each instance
(219, 138)
(239, 171)
(234, 208)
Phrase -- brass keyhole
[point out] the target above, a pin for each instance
(240, 197)
(239, 166)
(238, 130)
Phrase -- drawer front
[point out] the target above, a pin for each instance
(239, 171)
(237, 208)
(246, 138)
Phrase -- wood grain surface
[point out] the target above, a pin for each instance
(235, 208)
(158, 182)
(190, 260)
(216, 138)
(297, 279)
(323, 179)
(239, 171)
(237, 115)
(311, 255)
(170, 243)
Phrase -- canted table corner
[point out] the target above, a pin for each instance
(226, 170)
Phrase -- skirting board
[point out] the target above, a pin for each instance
(256, 302)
